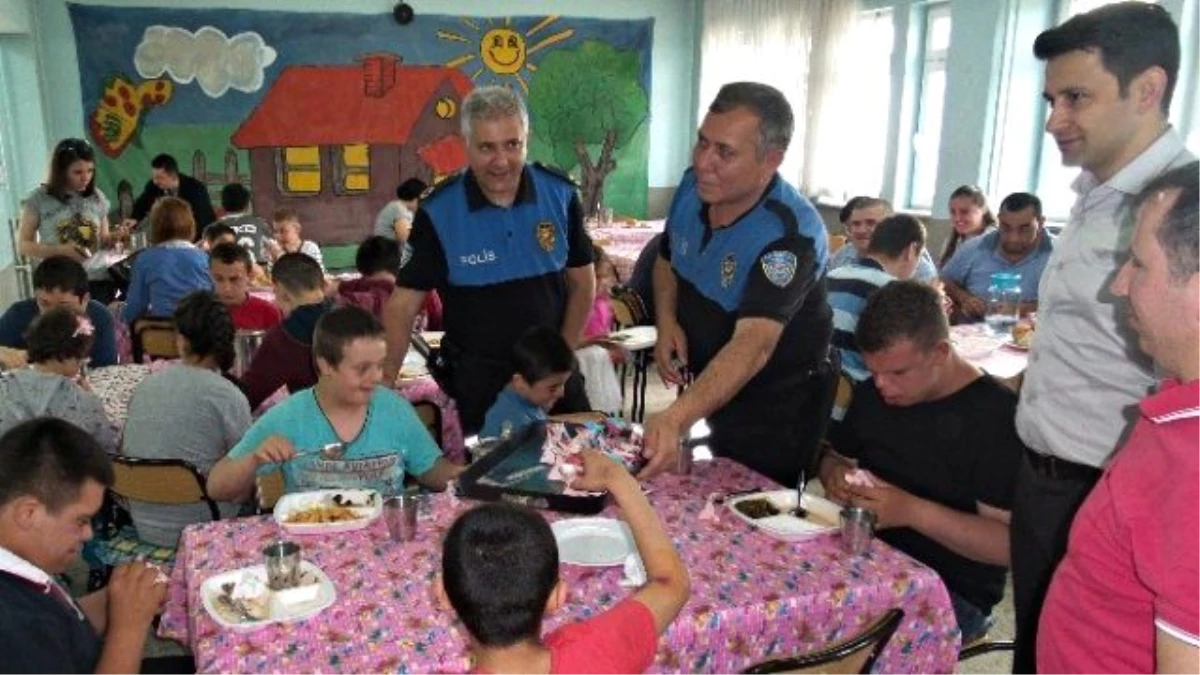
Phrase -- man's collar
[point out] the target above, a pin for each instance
(1042, 246)
(13, 564)
(1174, 401)
(526, 192)
(1132, 177)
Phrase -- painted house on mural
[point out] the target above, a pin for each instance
(333, 142)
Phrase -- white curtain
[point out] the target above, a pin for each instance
(788, 44)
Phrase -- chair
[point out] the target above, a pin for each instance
(856, 655)
(154, 338)
(431, 416)
(985, 646)
(627, 306)
(159, 481)
(269, 488)
(836, 241)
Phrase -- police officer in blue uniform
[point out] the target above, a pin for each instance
(504, 245)
(740, 295)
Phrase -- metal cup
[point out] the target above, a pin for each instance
(283, 565)
(858, 528)
(400, 513)
(683, 463)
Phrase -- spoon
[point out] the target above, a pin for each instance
(800, 511)
(330, 451)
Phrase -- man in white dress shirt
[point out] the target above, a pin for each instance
(1109, 89)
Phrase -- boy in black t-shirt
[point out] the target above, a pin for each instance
(52, 481)
(938, 438)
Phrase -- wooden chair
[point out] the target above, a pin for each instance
(161, 481)
(158, 481)
(628, 308)
(269, 488)
(431, 416)
(856, 655)
(985, 646)
(153, 338)
(835, 241)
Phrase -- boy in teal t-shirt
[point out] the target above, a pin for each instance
(379, 434)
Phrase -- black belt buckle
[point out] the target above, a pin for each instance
(1061, 469)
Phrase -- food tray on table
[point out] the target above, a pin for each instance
(325, 511)
(771, 512)
(513, 470)
(240, 600)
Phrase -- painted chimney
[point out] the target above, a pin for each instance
(379, 72)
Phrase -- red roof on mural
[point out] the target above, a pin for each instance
(329, 105)
(446, 154)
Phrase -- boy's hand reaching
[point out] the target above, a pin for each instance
(598, 472)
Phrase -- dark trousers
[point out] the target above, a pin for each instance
(775, 440)
(476, 383)
(1043, 509)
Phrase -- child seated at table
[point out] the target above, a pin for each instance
(58, 281)
(596, 359)
(232, 268)
(542, 362)
(346, 432)
(285, 358)
(377, 260)
(187, 411)
(52, 385)
(217, 233)
(287, 228)
(500, 575)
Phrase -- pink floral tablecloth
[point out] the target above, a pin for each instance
(115, 385)
(624, 243)
(752, 597)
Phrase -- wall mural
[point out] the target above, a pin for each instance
(327, 113)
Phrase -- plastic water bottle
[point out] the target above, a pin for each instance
(1004, 303)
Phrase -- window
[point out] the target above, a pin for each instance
(355, 168)
(848, 157)
(301, 169)
(927, 135)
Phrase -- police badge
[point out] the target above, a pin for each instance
(779, 267)
(545, 235)
(728, 269)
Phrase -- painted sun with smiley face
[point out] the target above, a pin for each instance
(504, 50)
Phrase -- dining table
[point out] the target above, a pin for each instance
(996, 355)
(752, 597)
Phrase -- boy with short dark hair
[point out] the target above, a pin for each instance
(500, 575)
(377, 260)
(542, 362)
(58, 281)
(250, 230)
(217, 233)
(232, 268)
(285, 358)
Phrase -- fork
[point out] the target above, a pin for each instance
(800, 511)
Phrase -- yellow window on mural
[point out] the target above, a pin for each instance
(302, 169)
(356, 167)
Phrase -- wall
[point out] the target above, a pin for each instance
(671, 76)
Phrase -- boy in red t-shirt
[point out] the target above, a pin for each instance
(230, 266)
(500, 575)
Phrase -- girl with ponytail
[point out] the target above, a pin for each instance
(189, 411)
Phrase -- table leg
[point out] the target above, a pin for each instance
(637, 412)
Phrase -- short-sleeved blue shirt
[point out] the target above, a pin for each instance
(512, 409)
(392, 442)
(978, 259)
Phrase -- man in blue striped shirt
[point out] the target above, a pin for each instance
(893, 253)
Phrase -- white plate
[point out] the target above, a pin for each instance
(298, 501)
(211, 589)
(1012, 344)
(823, 518)
(593, 542)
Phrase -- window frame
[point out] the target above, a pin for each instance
(930, 61)
(285, 168)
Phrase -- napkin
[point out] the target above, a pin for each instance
(635, 572)
(708, 514)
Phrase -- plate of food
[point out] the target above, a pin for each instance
(241, 600)
(774, 512)
(1022, 336)
(593, 542)
(324, 511)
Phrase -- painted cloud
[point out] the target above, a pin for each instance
(217, 62)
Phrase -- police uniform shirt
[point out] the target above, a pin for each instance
(769, 263)
(499, 270)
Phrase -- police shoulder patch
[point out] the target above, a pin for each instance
(779, 267)
(557, 172)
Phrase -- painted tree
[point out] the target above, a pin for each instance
(588, 99)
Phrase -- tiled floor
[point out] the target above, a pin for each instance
(658, 397)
